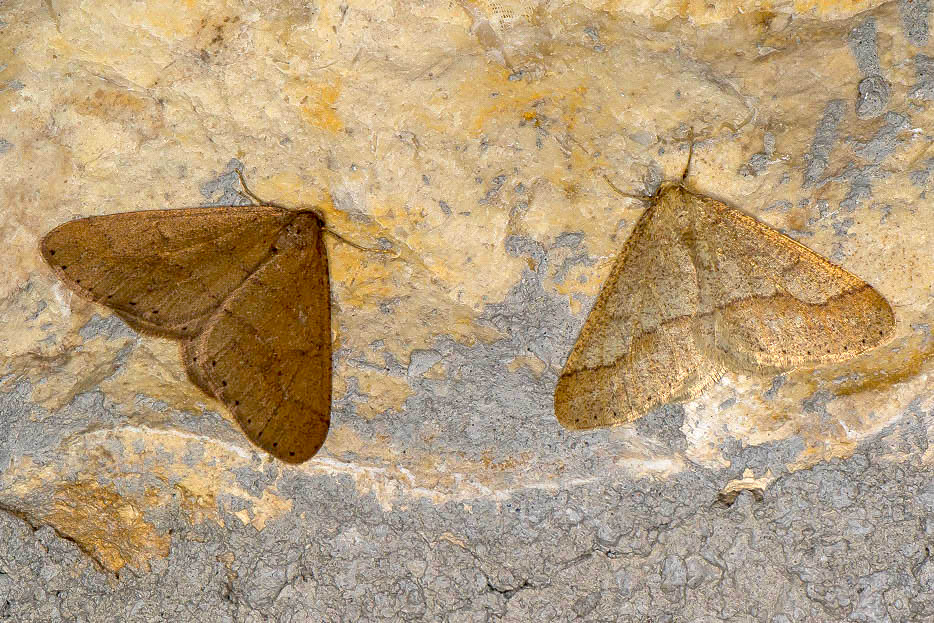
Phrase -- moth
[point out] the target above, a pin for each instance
(700, 288)
(245, 291)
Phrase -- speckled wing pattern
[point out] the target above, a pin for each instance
(244, 288)
(700, 288)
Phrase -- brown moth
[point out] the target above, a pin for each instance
(244, 289)
(700, 288)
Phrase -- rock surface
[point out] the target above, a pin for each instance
(483, 142)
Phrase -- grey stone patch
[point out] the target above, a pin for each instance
(155, 404)
(109, 327)
(207, 423)
(641, 137)
(817, 402)
(774, 455)
(870, 604)
(496, 184)
(420, 361)
(570, 262)
(836, 491)
(777, 383)
(444, 207)
(873, 89)
(860, 189)
(194, 452)
(768, 144)
(518, 210)
(26, 428)
(390, 364)
(384, 244)
(570, 239)
(915, 15)
(663, 424)
(926, 498)
(610, 550)
(919, 177)
(232, 505)
(40, 572)
(122, 355)
(924, 72)
(519, 246)
(926, 575)
(253, 481)
(224, 189)
(756, 165)
(883, 143)
(586, 604)
(5, 146)
(345, 404)
(818, 156)
(862, 42)
(842, 227)
(906, 436)
(40, 307)
(486, 408)
(872, 97)
(884, 209)
(388, 306)
(14, 408)
(674, 573)
(759, 161)
(782, 205)
(860, 180)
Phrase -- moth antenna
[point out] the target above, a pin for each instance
(251, 196)
(621, 193)
(687, 167)
(357, 246)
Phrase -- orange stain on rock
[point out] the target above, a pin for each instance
(317, 103)
(106, 525)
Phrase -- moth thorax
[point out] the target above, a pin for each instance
(669, 199)
(668, 190)
(303, 229)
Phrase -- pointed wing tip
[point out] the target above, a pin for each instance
(294, 444)
(880, 324)
(578, 407)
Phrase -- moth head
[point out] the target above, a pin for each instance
(666, 190)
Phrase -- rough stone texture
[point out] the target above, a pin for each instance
(482, 143)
